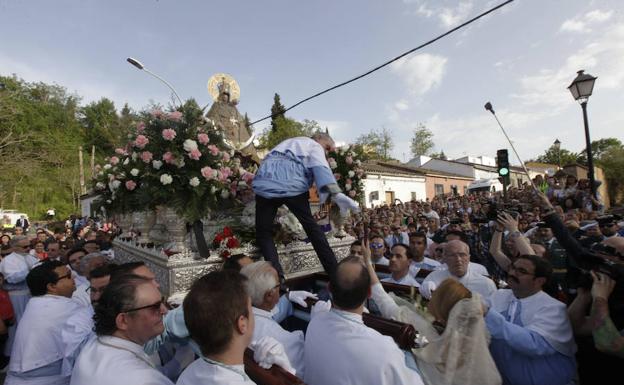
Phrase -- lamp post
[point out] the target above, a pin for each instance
(557, 146)
(140, 66)
(581, 89)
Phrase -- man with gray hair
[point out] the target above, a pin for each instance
(457, 258)
(85, 266)
(284, 178)
(15, 267)
(263, 287)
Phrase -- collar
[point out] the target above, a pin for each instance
(127, 345)
(262, 313)
(347, 315)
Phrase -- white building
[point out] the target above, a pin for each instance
(384, 184)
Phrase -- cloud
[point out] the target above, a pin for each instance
(340, 130)
(401, 105)
(582, 23)
(450, 17)
(598, 16)
(421, 72)
(574, 26)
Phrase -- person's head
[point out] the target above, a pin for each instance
(218, 314)
(20, 244)
(457, 257)
(528, 274)
(236, 262)
(350, 284)
(131, 308)
(137, 268)
(377, 246)
(396, 230)
(90, 262)
(19, 230)
(54, 250)
(400, 260)
(39, 247)
(41, 235)
(324, 140)
(433, 224)
(418, 245)
(74, 256)
(4, 251)
(91, 246)
(5, 239)
(445, 297)
(438, 252)
(544, 232)
(617, 243)
(427, 207)
(50, 277)
(386, 230)
(356, 248)
(263, 284)
(608, 227)
(98, 280)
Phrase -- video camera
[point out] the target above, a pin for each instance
(601, 258)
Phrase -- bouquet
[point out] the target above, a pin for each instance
(224, 241)
(347, 169)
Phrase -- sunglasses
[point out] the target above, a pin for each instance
(153, 307)
(68, 275)
(376, 245)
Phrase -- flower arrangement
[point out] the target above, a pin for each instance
(346, 166)
(177, 159)
(224, 241)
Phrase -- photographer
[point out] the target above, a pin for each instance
(519, 245)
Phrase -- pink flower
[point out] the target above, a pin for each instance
(114, 160)
(141, 141)
(349, 181)
(352, 193)
(168, 134)
(224, 173)
(195, 154)
(214, 151)
(208, 173)
(337, 176)
(157, 113)
(176, 116)
(130, 185)
(203, 138)
(349, 160)
(140, 126)
(120, 151)
(226, 156)
(248, 177)
(168, 157)
(146, 156)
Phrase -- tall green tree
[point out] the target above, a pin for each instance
(599, 147)
(101, 125)
(376, 144)
(612, 163)
(559, 156)
(422, 141)
(277, 111)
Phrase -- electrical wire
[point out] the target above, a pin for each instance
(388, 62)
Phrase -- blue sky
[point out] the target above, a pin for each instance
(520, 58)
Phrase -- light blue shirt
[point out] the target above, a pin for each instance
(523, 356)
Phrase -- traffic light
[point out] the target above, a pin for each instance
(502, 163)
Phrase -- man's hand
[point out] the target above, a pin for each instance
(543, 201)
(268, 351)
(299, 297)
(602, 287)
(320, 307)
(508, 222)
(345, 203)
(366, 251)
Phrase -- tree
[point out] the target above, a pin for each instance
(599, 147)
(612, 162)
(285, 128)
(277, 111)
(422, 142)
(376, 144)
(559, 156)
(101, 125)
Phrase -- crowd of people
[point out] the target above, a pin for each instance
(517, 288)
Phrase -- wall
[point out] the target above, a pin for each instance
(447, 182)
(402, 186)
(450, 167)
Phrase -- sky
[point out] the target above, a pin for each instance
(521, 58)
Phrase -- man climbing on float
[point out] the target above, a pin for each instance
(284, 178)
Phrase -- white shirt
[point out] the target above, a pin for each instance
(15, 267)
(382, 261)
(201, 372)
(109, 360)
(292, 341)
(406, 280)
(38, 341)
(340, 349)
(473, 281)
(81, 294)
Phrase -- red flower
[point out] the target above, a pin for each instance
(225, 254)
(227, 232)
(232, 243)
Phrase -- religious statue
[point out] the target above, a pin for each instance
(223, 112)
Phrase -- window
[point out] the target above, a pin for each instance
(389, 197)
(414, 195)
(439, 189)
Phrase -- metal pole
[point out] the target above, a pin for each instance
(590, 160)
(166, 83)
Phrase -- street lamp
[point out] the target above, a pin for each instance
(557, 146)
(581, 89)
(140, 66)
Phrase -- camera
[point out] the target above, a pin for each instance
(601, 258)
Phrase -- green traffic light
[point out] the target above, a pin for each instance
(503, 171)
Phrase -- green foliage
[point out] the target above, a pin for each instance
(422, 141)
(612, 162)
(287, 128)
(599, 147)
(376, 144)
(277, 112)
(558, 156)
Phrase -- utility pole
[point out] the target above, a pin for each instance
(92, 161)
(82, 179)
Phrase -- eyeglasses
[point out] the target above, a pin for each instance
(68, 275)
(153, 307)
(520, 270)
(376, 245)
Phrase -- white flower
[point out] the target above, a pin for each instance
(358, 162)
(333, 164)
(347, 186)
(157, 164)
(225, 193)
(114, 185)
(190, 145)
(109, 201)
(213, 189)
(126, 161)
(122, 175)
(134, 172)
(166, 179)
(99, 185)
(101, 173)
(107, 166)
(194, 181)
(135, 156)
(351, 174)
